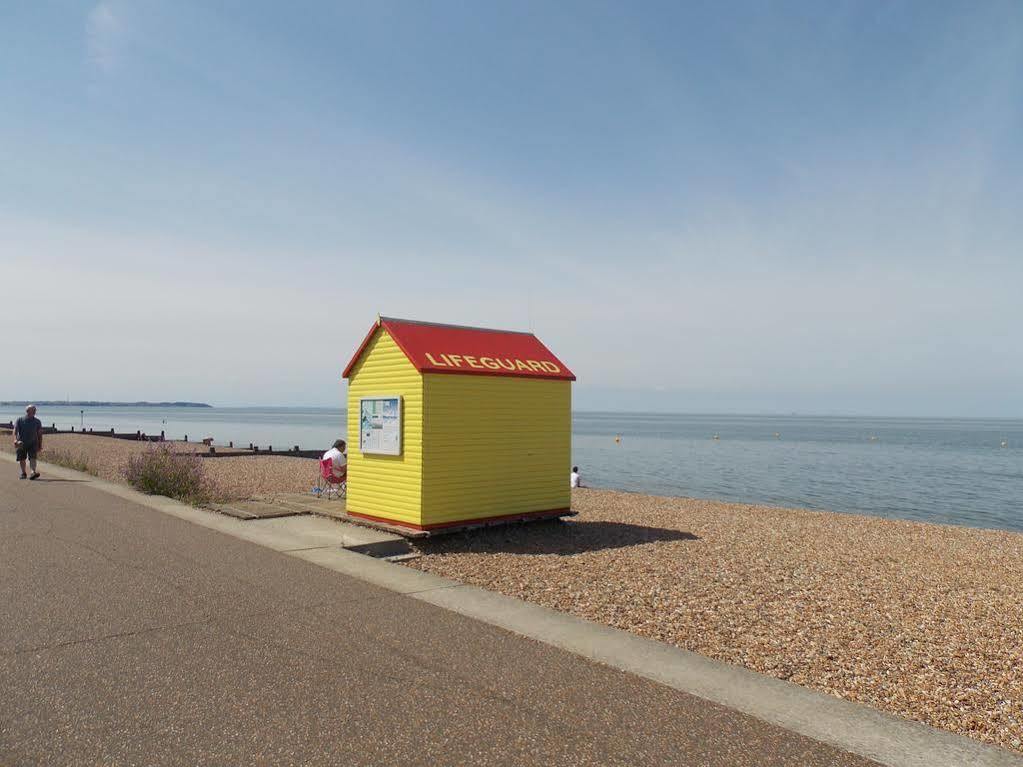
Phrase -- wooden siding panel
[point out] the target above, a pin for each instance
(384, 485)
(494, 446)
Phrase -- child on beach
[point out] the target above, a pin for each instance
(574, 480)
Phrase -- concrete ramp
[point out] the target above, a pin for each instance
(303, 517)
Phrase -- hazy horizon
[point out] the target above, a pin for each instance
(575, 409)
(742, 208)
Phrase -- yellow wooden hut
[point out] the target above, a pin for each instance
(452, 426)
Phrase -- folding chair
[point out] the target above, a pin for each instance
(328, 483)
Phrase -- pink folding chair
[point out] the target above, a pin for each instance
(328, 483)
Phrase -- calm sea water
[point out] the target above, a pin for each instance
(951, 471)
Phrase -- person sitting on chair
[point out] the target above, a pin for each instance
(337, 456)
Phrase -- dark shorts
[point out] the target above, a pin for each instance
(26, 451)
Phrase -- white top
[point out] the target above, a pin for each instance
(573, 479)
(339, 459)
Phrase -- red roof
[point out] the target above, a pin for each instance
(436, 348)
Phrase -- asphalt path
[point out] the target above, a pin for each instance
(130, 637)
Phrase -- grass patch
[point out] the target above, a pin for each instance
(69, 460)
(158, 471)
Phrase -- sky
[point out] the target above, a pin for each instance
(699, 207)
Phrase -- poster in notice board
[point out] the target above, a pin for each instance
(380, 425)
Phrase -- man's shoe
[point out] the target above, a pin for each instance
(35, 475)
(23, 475)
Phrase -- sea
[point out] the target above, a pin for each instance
(947, 470)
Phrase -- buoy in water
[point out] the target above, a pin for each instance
(1005, 443)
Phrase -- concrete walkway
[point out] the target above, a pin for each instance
(129, 635)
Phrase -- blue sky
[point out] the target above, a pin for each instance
(762, 207)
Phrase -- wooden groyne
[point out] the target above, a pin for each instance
(137, 436)
(210, 451)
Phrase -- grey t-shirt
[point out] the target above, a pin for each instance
(26, 429)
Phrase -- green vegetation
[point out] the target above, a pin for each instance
(158, 471)
(69, 460)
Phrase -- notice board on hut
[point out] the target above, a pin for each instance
(380, 425)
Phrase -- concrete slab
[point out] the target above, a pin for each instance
(311, 504)
(256, 510)
(296, 533)
(232, 512)
(320, 530)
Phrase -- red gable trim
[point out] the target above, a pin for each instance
(436, 348)
(360, 350)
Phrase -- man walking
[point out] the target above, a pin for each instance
(28, 440)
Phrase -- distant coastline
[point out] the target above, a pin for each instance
(93, 403)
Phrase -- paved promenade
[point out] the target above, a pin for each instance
(130, 637)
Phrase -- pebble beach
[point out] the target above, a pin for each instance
(920, 620)
(924, 621)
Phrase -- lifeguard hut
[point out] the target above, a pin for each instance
(453, 426)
